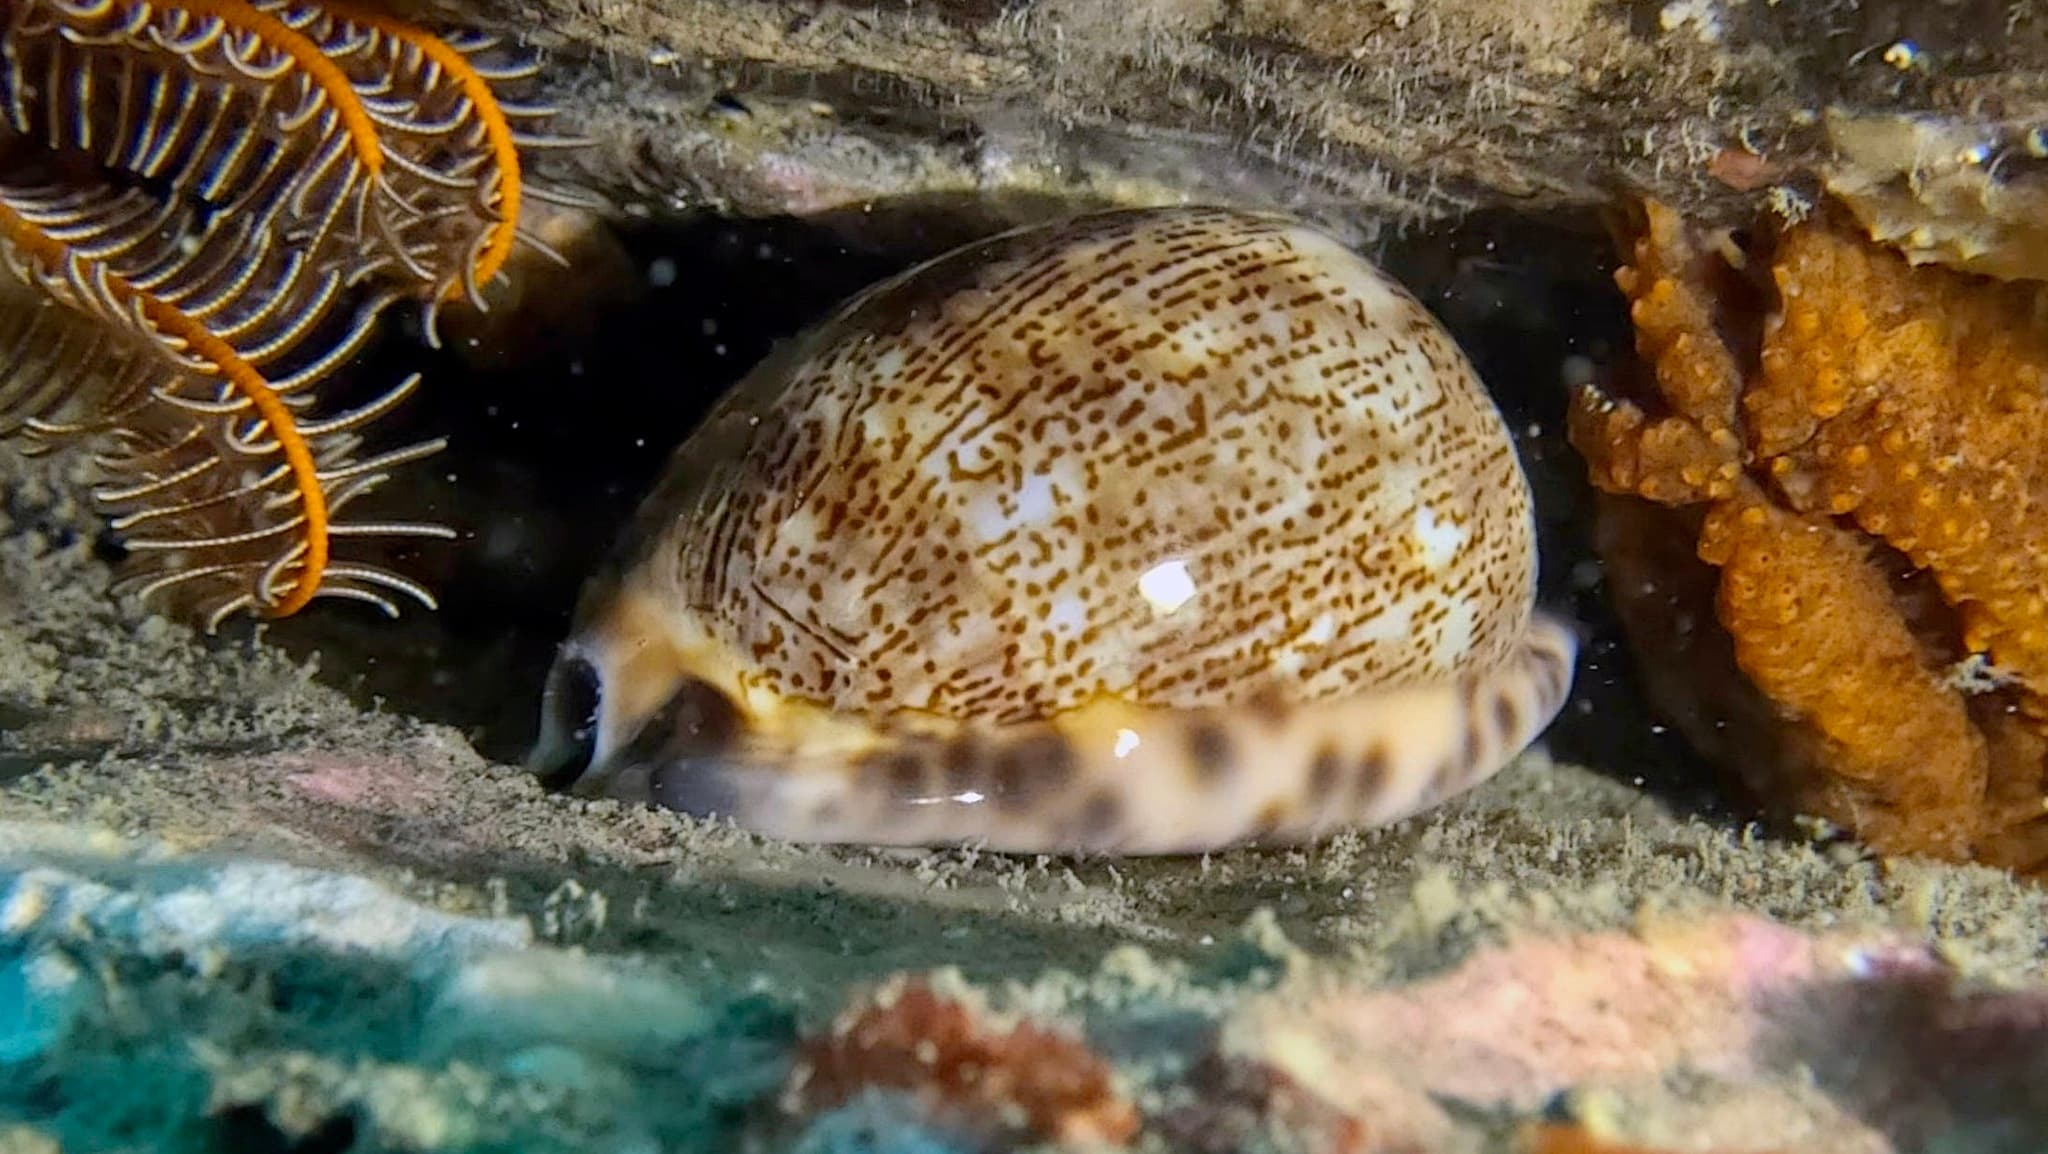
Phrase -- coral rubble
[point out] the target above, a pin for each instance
(1856, 448)
(151, 998)
(962, 1070)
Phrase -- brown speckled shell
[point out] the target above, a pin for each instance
(945, 498)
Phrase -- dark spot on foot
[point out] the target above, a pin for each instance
(1031, 767)
(901, 769)
(1449, 776)
(1322, 773)
(1209, 751)
(1553, 672)
(1468, 749)
(964, 763)
(1270, 706)
(1507, 716)
(1271, 816)
(1101, 817)
(1373, 769)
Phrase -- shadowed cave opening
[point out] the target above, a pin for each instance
(560, 414)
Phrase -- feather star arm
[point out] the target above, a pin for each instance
(209, 203)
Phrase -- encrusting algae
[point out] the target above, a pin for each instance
(205, 205)
(1859, 450)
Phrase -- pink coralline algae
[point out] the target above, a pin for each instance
(1875, 1031)
(1516, 1026)
(1819, 1043)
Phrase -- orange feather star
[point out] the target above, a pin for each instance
(209, 203)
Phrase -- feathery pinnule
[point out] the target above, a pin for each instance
(223, 490)
(448, 209)
(212, 202)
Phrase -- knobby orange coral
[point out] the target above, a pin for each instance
(205, 205)
(1862, 450)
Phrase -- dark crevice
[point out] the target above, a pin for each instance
(248, 1129)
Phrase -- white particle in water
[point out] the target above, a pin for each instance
(1577, 370)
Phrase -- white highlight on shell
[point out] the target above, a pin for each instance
(1390, 623)
(989, 521)
(1167, 586)
(1320, 630)
(872, 428)
(1126, 742)
(1440, 540)
(1031, 505)
(1035, 499)
(1067, 615)
(1291, 656)
(1461, 621)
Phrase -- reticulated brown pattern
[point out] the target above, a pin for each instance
(1183, 457)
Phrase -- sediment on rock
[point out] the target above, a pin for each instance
(1356, 115)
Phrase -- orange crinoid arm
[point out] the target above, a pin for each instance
(496, 131)
(56, 264)
(458, 222)
(320, 72)
(203, 191)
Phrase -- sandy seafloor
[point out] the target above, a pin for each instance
(239, 911)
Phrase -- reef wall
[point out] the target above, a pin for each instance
(1357, 114)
